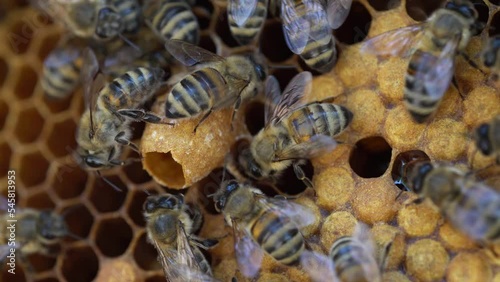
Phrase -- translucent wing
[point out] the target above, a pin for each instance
(299, 214)
(248, 253)
(362, 235)
(314, 147)
(273, 94)
(4, 251)
(337, 11)
(319, 267)
(92, 82)
(397, 42)
(366, 254)
(189, 54)
(62, 56)
(291, 98)
(123, 57)
(241, 10)
(437, 79)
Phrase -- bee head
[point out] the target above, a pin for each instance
(490, 56)
(224, 193)
(250, 166)
(464, 8)
(418, 174)
(482, 140)
(166, 201)
(259, 67)
(108, 23)
(51, 226)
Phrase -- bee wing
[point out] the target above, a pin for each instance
(318, 266)
(397, 42)
(189, 54)
(248, 253)
(123, 57)
(337, 11)
(437, 78)
(302, 23)
(299, 86)
(299, 214)
(315, 146)
(240, 10)
(62, 56)
(185, 255)
(273, 94)
(363, 235)
(93, 81)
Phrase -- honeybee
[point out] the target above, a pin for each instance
(432, 46)
(170, 224)
(471, 206)
(294, 131)
(487, 137)
(262, 224)
(307, 33)
(337, 11)
(246, 19)
(172, 19)
(491, 56)
(35, 231)
(219, 82)
(105, 126)
(351, 259)
(61, 70)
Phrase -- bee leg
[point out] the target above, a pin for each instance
(302, 176)
(203, 243)
(196, 217)
(202, 119)
(142, 115)
(235, 109)
(120, 138)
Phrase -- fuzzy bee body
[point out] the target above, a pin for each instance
(487, 137)
(246, 20)
(352, 261)
(319, 56)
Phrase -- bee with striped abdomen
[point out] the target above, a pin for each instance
(294, 131)
(308, 34)
(246, 19)
(172, 19)
(262, 224)
(105, 125)
(170, 224)
(471, 206)
(432, 46)
(218, 83)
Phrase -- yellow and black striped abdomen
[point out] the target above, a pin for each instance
(278, 236)
(175, 20)
(351, 260)
(419, 102)
(202, 261)
(60, 81)
(195, 94)
(318, 119)
(246, 33)
(129, 11)
(320, 55)
(131, 89)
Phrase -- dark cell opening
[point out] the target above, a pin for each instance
(61, 140)
(272, 42)
(207, 43)
(420, 10)
(400, 162)
(57, 105)
(18, 277)
(483, 13)
(356, 26)
(70, 181)
(289, 184)
(495, 24)
(222, 29)
(40, 201)
(284, 76)
(370, 157)
(26, 82)
(113, 237)
(137, 130)
(203, 10)
(80, 265)
(33, 169)
(208, 186)
(384, 5)
(134, 171)
(156, 278)
(104, 197)
(254, 117)
(135, 211)
(495, 2)
(145, 255)
(49, 279)
(29, 125)
(4, 68)
(6, 153)
(19, 37)
(79, 220)
(41, 263)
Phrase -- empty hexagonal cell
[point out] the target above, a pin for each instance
(4, 112)
(420, 10)
(26, 81)
(19, 275)
(203, 12)
(384, 5)
(483, 13)
(222, 29)
(33, 169)
(254, 117)
(495, 22)
(48, 279)
(29, 125)
(145, 254)
(19, 37)
(41, 263)
(273, 44)
(370, 157)
(40, 201)
(134, 208)
(356, 26)
(47, 44)
(104, 197)
(61, 140)
(207, 43)
(6, 153)
(79, 220)
(4, 68)
(156, 278)
(57, 106)
(80, 264)
(113, 236)
(69, 181)
(135, 173)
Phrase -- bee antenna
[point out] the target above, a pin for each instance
(277, 67)
(133, 45)
(146, 191)
(399, 194)
(74, 236)
(211, 195)
(108, 182)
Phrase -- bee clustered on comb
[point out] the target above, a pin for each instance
(352, 183)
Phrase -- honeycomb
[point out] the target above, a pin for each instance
(352, 183)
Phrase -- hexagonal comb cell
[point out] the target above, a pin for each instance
(69, 181)
(29, 125)
(113, 236)
(61, 140)
(356, 26)
(40, 201)
(47, 45)
(495, 21)
(33, 169)
(134, 209)
(156, 278)
(383, 5)
(420, 10)
(135, 173)
(4, 68)
(104, 197)
(26, 81)
(80, 264)
(370, 157)
(19, 37)
(145, 255)
(222, 29)
(41, 263)
(79, 220)
(19, 275)
(4, 112)
(273, 44)
(254, 117)
(6, 153)
(57, 106)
